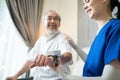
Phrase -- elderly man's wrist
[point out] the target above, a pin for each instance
(55, 59)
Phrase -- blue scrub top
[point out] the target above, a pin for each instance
(105, 48)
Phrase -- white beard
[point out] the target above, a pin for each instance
(51, 31)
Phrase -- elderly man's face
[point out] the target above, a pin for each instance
(52, 22)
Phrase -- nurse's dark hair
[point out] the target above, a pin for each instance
(113, 4)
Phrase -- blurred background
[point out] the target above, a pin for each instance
(74, 22)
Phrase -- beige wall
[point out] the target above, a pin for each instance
(87, 28)
(68, 11)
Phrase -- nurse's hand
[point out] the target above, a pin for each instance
(53, 66)
(11, 78)
(68, 38)
(42, 60)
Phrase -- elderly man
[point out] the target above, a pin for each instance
(40, 57)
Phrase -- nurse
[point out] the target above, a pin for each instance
(105, 48)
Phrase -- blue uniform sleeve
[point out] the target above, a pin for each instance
(112, 51)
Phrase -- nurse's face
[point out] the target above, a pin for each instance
(52, 22)
(93, 8)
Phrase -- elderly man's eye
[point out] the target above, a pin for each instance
(49, 18)
(56, 18)
(53, 18)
